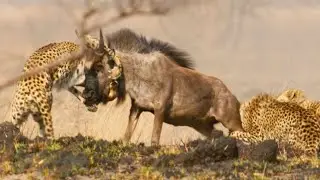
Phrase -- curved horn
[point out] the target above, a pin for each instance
(101, 42)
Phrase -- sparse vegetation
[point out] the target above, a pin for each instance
(85, 156)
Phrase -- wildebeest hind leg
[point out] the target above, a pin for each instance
(205, 128)
(132, 123)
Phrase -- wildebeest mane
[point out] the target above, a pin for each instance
(128, 41)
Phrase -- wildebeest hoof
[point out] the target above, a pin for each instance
(92, 108)
(154, 144)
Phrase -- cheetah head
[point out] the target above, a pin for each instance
(292, 95)
(78, 76)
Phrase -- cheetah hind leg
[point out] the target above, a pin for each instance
(37, 117)
(41, 112)
(246, 137)
(19, 117)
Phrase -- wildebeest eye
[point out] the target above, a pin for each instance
(111, 63)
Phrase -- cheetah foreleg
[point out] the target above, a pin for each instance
(246, 137)
(78, 95)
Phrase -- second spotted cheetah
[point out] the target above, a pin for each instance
(298, 96)
(263, 117)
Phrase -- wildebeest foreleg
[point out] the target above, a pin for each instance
(132, 123)
(160, 111)
(157, 127)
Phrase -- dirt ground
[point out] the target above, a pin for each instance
(253, 46)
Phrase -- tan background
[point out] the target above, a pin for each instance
(252, 45)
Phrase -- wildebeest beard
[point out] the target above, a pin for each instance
(91, 92)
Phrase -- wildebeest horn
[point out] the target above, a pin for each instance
(101, 42)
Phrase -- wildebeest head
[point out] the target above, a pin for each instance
(101, 73)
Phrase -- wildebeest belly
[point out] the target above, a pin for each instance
(188, 120)
(185, 109)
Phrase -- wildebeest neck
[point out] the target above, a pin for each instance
(142, 73)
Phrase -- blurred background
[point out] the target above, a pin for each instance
(252, 45)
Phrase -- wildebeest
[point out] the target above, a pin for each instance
(159, 78)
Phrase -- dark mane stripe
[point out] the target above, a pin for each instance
(128, 41)
(182, 58)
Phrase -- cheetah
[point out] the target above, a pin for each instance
(33, 95)
(263, 117)
(298, 96)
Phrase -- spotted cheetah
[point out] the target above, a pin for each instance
(298, 96)
(33, 95)
(263, 117)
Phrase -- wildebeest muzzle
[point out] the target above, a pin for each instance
(91, 93)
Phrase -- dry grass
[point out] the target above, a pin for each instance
(69, 157)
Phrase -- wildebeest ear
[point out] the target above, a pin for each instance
(109, 44)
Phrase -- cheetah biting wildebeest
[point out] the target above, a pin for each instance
(263, 117)
(297, 96)
(33, 95)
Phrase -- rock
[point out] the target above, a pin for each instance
(220, 149)
(264, 151)
(9, 135)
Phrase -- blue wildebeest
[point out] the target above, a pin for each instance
(159, 78)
